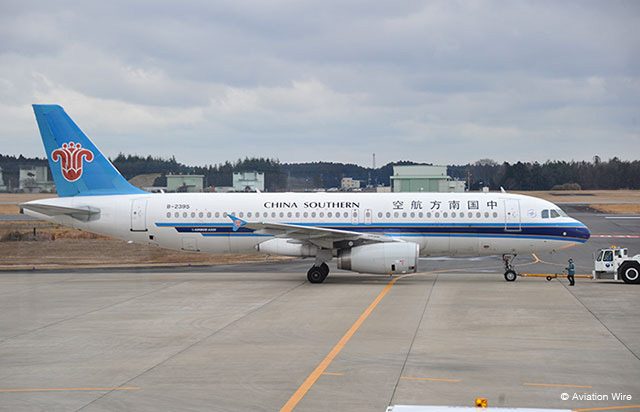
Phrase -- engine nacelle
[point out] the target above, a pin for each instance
(393, 257)
(283, 247)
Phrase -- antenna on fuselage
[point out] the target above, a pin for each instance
(502, 189)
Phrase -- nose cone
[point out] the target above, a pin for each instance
(582, 231)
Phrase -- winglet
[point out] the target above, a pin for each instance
(237, 222)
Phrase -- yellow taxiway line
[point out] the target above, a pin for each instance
(322, 367)
(319, 370)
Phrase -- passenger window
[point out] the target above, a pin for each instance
(305, 214)
(437, 214)
(193, 214)
(321, 214)
(281, 214)
(388, 214)
(168, 214)
(200, 214)
(241, 214)
(404, 214)
(429, 215)
(599, 258)
(379, 214)
(453, 214)
(486, 214)
(608, 256)
(329, 214)
(395, 214)
(273, 214)
(208, 214)
(420, 214)
(224, 214)
(444, 214)
(184, 214)
(470, 214)
(297, 214)
(545, 214)
(177, 214)
(313, 214)
(345, 214)
(217, 214)
(554, 213)
(495, 214)
(478, 214)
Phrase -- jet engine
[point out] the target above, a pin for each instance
(387, 258)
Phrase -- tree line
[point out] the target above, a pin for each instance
(596, 174)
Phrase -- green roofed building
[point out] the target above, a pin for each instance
(424, 179)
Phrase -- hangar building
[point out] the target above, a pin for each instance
(424, 179)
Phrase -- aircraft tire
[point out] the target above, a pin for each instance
(630, 272)
(316, 274)
(510, 275)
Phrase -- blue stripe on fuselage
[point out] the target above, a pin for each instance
(570, 231)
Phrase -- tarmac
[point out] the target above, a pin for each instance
(259, 337)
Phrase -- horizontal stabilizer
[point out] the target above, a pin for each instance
(83, 213)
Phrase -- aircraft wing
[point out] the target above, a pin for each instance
(81, 213)
(321, 237)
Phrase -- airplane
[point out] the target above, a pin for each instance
(376, 233)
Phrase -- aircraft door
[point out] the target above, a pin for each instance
(354, 217)
(367, 216)
(139, 215)
(512, 222)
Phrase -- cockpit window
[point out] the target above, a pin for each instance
(562, 213)
(545, 214)
(554, 213)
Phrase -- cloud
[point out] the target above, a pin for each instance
(436, 81)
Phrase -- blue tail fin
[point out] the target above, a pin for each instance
(77, 166)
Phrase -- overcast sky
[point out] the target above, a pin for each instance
(440, 81)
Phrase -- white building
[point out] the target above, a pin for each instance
(3, 188)
(248, 181)
(35, 179)
(349, 183)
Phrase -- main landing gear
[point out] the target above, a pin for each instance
(317, 274)
(509, 271)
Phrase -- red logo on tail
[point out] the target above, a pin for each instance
(70, 156)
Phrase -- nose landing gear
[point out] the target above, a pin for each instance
(510, 274)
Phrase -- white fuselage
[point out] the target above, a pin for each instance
(441, 223)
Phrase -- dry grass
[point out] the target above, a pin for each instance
(632, 209)
(9, 201)
(105, 253)
(591, 196)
